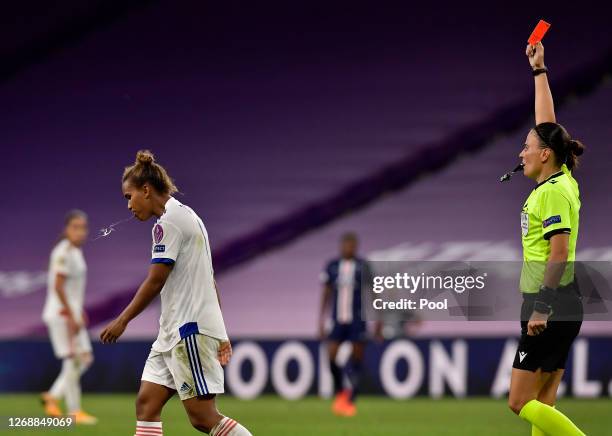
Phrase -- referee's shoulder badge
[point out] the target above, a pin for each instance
(556, 219)
(524, 223)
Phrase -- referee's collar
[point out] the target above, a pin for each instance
(560, 173)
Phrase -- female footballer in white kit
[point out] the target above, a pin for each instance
(66, 320)
(192, 344)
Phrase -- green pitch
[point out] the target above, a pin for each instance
(271, 416)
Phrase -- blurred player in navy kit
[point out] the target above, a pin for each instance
(341, 280)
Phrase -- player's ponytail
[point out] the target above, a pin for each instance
(146, 170)
(555, 137)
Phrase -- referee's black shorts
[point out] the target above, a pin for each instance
(549, 349)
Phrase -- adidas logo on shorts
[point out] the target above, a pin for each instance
(185, 387)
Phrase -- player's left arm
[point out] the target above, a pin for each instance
(225, 348)
(367, 278)
(148, 290)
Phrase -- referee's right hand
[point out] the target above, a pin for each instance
(537, 323)
(535, 54)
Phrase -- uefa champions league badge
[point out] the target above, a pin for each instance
(158, 233)
(524, 223)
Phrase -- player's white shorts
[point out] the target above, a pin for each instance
(191, 368)
(63, 345)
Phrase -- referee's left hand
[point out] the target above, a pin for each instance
(537, 323)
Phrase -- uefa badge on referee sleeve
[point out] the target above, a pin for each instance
(524, 223)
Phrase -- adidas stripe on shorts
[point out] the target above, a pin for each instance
(191, 367)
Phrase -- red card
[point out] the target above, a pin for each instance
(539, 32)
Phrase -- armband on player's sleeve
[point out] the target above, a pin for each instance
(544, 300)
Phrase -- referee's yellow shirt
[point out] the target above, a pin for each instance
(552, 207)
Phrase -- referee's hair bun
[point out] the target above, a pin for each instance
(576, 147)
(144, 157)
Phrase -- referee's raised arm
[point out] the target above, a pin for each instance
(544, 105)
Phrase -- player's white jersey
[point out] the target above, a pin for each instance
(188, 299)
(68, 260)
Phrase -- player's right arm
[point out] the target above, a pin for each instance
(325, 301)
(148, 290)
(225, 348)
(544, 105)
(60, 290)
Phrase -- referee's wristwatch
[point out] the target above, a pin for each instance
(538, 71)
(544, 300)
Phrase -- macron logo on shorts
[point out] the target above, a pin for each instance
(522, 356)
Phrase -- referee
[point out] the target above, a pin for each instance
(551, 313)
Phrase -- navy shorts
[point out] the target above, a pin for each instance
(353, 332)
(549, 349)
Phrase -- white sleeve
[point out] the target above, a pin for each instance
(59, 262)
(167, 239)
